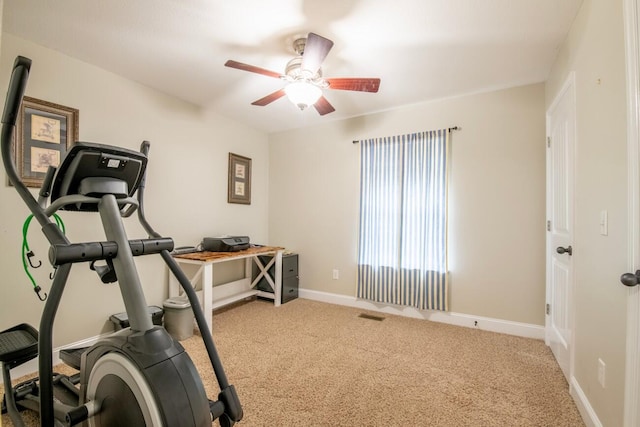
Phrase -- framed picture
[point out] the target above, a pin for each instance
(44, 133)
(239, 179)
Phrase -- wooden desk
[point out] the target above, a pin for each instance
(231, 292)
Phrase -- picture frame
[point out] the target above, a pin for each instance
(239, 190)
(44, 133)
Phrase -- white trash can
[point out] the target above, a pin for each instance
(178, 317)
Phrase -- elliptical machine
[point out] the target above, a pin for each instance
(139, 375)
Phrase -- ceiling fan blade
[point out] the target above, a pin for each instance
(358, 84)
(252, 69)
(269, 98)
(316, 50)
(323, 107)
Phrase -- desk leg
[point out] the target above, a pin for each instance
(278, 280)
(174, 285)
(207, 294)
(248, 268)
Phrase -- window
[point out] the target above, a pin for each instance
(402, 253)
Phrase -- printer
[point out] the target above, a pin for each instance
(225, 244)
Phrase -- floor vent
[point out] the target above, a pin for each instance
(371, 317)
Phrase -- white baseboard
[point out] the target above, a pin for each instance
(484, 323)
(31, 366)
(584, 407)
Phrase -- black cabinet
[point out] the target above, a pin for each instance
(289, 276)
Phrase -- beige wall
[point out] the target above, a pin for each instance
(1, 12)
(497, 198)
(186, 184)
(595, 51)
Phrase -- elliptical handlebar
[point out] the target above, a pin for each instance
(17, 86)
(144, 149)
(15, 93)
(227, 408)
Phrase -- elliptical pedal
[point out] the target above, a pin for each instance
(72, 356)
(18, 345)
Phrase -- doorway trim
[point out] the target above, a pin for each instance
(632, 368)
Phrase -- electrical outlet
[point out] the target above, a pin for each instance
(601, 372)
(336, 274)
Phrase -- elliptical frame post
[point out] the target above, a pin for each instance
(126, 271)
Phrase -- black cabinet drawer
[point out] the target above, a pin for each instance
(289, 266)
(289, 289)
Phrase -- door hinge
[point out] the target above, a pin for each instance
(548, 309)
(548, 225)
(548, 141)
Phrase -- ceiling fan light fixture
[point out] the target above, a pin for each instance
(302, 94)
(304, 83)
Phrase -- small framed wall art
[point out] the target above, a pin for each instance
(239, 179)
(44, 133)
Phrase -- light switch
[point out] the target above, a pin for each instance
(604, 223)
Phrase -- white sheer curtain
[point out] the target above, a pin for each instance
(402, 253)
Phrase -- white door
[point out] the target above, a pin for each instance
(560, 160)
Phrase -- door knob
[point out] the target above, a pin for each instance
(630, 279)
(562, 250)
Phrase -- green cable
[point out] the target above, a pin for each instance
(59, 222)
(27, 253)
(26, 250)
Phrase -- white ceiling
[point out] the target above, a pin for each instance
(420, 49)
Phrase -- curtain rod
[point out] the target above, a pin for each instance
(451, 129)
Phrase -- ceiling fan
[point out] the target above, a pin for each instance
(304, 76)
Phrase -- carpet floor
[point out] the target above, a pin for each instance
(308, 363)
